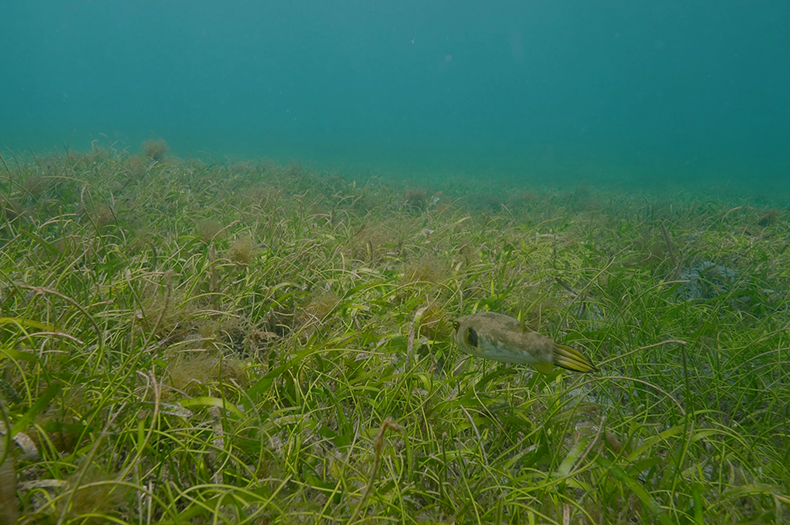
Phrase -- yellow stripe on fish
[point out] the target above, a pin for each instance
(503, 338)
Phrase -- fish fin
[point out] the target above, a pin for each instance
(544, 368)
(571, 359)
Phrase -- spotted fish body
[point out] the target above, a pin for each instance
(502, 338)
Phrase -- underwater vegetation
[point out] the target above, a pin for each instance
(183, 342)
(155, 149)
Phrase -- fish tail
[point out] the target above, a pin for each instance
(572, 359)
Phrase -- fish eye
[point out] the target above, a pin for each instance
(471, 337)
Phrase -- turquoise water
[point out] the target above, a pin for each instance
(619, 90)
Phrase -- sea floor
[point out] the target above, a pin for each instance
(183, 342)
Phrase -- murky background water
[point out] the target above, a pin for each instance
(617, 91)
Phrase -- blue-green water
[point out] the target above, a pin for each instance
(641, 91)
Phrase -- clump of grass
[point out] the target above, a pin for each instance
(102, 215)
(164, 309)
(67, 245)
(243, 251)
(435, 323)
(9, 508)
(155, 149)
(415, 198)
(194, 372)
(650, 250)
(262, 196)
(93, 497)
(426, 269)
(10, 209)
(371, 241)
(37, 186)
(137, 166)
(62, 435)
(208, 230)
(768, 218)
(320, 305)
(584, 199)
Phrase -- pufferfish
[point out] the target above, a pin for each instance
(502, 338)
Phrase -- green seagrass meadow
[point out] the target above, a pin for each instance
(193, 343)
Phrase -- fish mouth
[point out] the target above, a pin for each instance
(571, 359)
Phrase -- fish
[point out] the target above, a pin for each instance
(502, 338)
